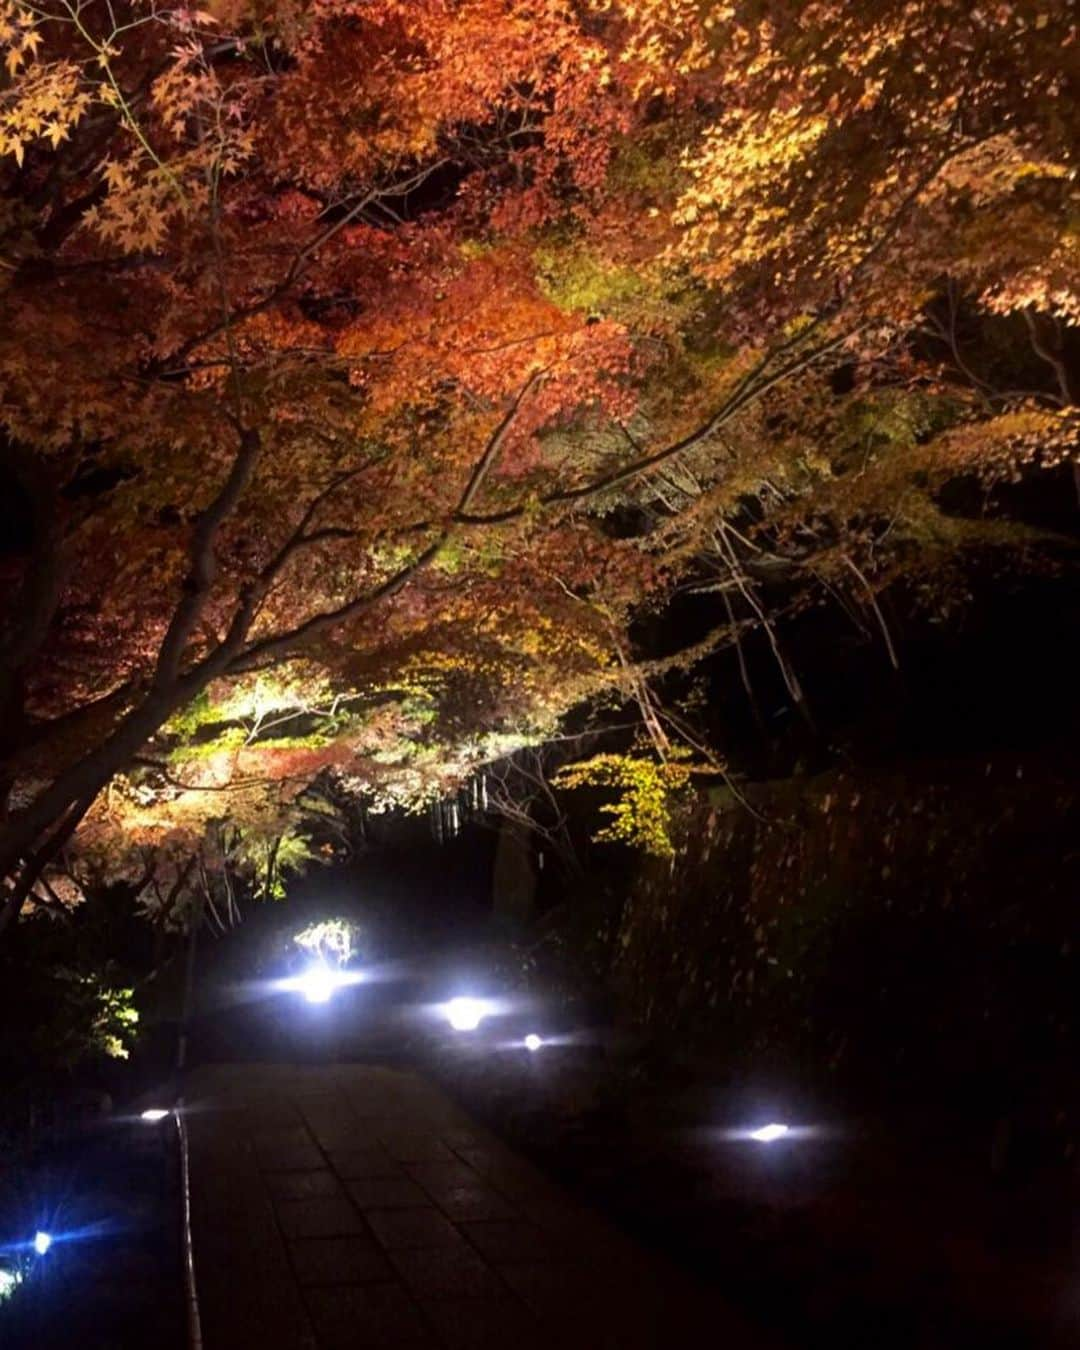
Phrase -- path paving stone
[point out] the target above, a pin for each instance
(510, 1242)
(481, 1324)
(320, 1216)
(439, 1175)
(397, 1229)
(447, 1272)
(355, 1164)
(419, 1148)
(462, 1203)
(302, 1185)
(349, 1207)
(291, 1150)
(351, 1260)
(387, 1193)
(367, 1316)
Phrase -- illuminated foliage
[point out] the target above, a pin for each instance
(91, 1015)
(332, 939)
(641, 815)
(366, 367)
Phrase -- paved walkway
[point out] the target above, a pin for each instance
(347, 1206)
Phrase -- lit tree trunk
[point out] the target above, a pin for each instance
(30, 838)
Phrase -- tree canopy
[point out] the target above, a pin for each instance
(367, 366)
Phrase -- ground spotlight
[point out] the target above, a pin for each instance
(153, 1114)
(533, 1042)
(42, 1242)
(466, 1014)
(319, 983)
(768, 1133)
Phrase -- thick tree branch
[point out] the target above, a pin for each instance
(26, 876)
(280, 644)
(203, 566)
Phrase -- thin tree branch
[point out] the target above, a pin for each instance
(296, 266)
(280, 643)
(894, 660)
(1052, 358)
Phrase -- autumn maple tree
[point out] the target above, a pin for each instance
(367, 365)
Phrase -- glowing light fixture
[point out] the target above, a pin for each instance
(154, 1114)
(768, 1133)
(319, 982)
(42, 1242)
(533, 1042)
(465, 1014)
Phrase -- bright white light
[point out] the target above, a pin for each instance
(42, 1242)
(465, 1014)
(154, 1114)
(533, 1042)
(9, 1281)
(318, 982)
(768, 1133)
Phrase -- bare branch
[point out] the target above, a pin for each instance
(894, 660)
(1052, 358)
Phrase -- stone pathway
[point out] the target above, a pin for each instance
(349, 1206)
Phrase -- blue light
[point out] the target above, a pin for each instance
(44, 1241)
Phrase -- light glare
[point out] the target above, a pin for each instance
(533, 1042)
(465, 1014)
(318, 983)
(9, 1281)
(153, 1114)
(42, 1242)
(768, 1133)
